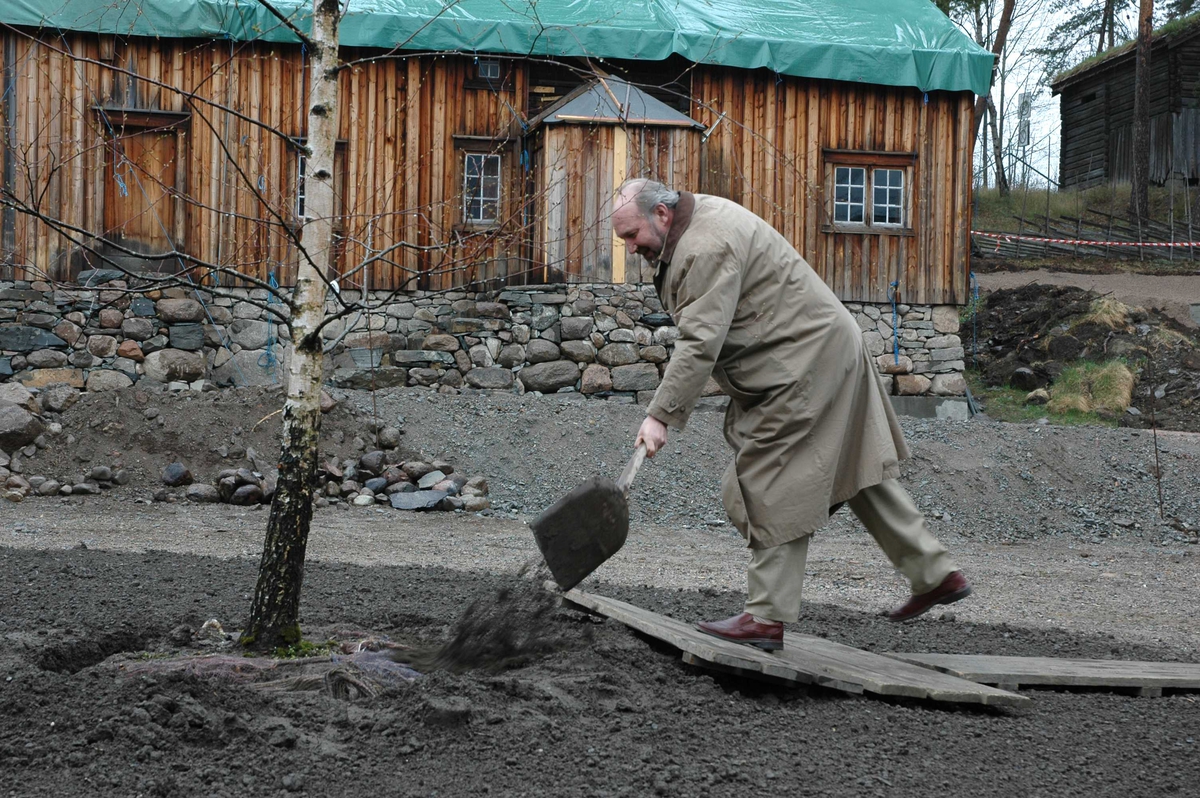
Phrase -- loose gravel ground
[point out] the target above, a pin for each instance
(1058, 528)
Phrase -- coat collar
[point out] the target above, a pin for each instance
(679, 225)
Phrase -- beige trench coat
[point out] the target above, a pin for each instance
(808, 419)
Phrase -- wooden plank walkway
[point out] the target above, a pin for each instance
(1009, 673)
(804, 660)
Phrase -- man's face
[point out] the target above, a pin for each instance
(644, 235)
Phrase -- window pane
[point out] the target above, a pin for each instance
(841, 193)
(856, 213)
(841, 175)
(856, 195)
(858, 177)
(888, 197)
(841, 213)
(481, 187)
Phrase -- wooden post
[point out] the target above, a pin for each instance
(620, 169)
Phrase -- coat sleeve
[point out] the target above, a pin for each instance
(707, 297)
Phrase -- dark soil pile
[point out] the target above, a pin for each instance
(1027, 336)
(603, 712)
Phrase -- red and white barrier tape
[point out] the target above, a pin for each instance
(1011, 237)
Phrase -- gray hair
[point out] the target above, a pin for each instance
(646, 194)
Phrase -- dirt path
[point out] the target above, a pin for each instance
(1173, 294)
(1058, 528)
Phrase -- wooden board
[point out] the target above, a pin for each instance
(804, 660)
(1148, 677)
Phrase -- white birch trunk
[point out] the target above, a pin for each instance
(274, 614)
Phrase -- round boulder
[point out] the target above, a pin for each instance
(550, 377)
(170, 365)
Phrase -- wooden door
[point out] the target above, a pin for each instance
(140, 193)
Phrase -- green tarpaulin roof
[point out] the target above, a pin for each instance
(895, 43)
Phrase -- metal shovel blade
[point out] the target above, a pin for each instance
(582, 530)
(587, 526)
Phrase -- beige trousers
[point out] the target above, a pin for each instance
(776, 575)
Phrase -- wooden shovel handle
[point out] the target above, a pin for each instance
(631, 469)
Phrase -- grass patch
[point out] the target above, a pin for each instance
(993, 211)
(305, 648)
(1166, 338)
(1104, 389)
(1008, 404)
(1106, 312)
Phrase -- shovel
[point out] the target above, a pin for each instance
(587, 526)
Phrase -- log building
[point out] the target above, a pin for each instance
(477, 148)
(1097, 111)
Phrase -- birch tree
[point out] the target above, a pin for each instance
(275, 611)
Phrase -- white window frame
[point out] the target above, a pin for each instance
(891, 191)
(845, 191)
(470, 196)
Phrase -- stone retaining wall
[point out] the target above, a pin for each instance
(604, 341)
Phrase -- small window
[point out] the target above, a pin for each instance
(489, 70)
(481, 188)
(887, 201)
(849, 201)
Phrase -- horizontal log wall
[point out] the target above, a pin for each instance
(1097, 118)
(405, 124)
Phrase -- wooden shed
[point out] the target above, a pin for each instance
(1097, 111)
(484, 152)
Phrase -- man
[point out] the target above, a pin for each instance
(808, 420)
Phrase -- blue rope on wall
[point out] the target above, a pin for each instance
(895, 324)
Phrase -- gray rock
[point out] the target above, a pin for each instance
(579, 351)
(576, 328)
(389, 437)
(249, 333)
(141, 306)
(637, 377)
(372, 462)
(107, 380)
(82, 359)
(188, 337)
(17, 394)
(179, 311)
(49, 487)
(623, 336)
(171, 365)
(541, 351)
(176, 475)
(376, 485)
(430, 479)
(417, 500)
(247, 495)
(657, 320)
(24, 338)
(46, 359)
(619, 354)
(400, 487)
(154, 343)
(511, 355)
(138, 329)
(420, 357)
(550, 377)
(490, 378)
(18, 427)
(102, 346)
(6, 369)
(57, 398)
(440, 343)
(203, 494)
(666, 336)
(544, 316)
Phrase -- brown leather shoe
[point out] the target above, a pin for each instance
(953, 587)
(744, 629)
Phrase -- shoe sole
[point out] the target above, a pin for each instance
(765, 645)
(957, 595)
